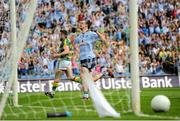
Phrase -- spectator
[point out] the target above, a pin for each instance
(158, 33)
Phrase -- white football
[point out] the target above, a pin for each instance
(160, 103)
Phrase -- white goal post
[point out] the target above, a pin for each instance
(14, 66)
(16, 50)
(134, 61)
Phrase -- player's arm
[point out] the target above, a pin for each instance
(76, 49)
(65, 52)
(76, 46)
(103, 38)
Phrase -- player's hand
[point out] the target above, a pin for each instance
(99, 33)
(55, 56)
(71, 52)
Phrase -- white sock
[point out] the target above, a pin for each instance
(86, 95)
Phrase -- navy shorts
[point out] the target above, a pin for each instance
(88, 63)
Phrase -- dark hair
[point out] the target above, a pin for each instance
(42, 25)
(89, 23)
(74, 30)
(64, 32)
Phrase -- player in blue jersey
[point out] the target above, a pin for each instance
(84, 45)
(66, 52)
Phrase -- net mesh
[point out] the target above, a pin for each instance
(33, 104)
(37, 105)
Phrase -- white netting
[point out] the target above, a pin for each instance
(9, 57)
(33, 104)
(23, 26)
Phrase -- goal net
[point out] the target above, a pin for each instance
(33, 44)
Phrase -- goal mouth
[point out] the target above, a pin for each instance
(32, 34)
(24, 97)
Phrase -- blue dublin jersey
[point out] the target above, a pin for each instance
(85, 42)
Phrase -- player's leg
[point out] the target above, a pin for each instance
(59, 69)
(55, 83)
(97, 76)
(70, 75)
(78, 79)
(85, 87)
(87, 65)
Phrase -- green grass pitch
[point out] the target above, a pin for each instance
(36, 105)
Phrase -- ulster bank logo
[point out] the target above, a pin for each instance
(156, 83)
(104, 83)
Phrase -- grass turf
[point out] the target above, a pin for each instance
(37, 105)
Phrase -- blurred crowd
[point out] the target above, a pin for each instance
(159, 34)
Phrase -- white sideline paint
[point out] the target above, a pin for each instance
(101, 105)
